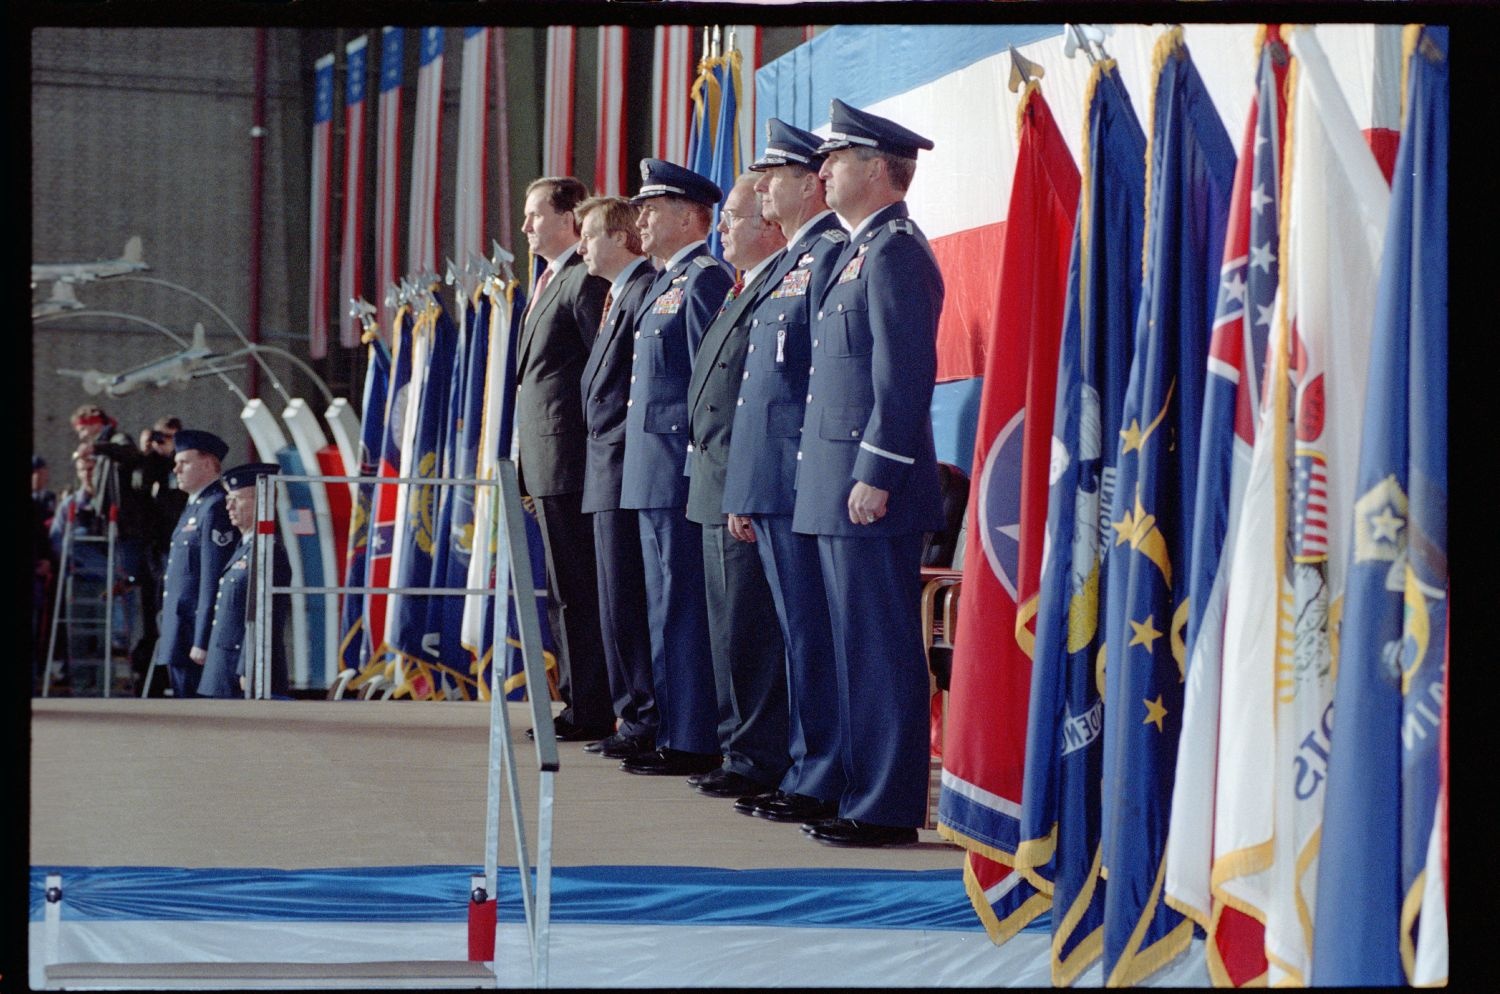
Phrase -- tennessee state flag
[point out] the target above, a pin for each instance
(1059, 848)
(985, 738)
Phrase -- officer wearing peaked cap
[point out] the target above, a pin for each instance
(759, 492)
(224, 671)
(867, 481)
(201, 544)
(676, 208)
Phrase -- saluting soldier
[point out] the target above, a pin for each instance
(224, 671)
(759, 491)
(748, 660)
(676, 209)
(202, 543)
(867, 483)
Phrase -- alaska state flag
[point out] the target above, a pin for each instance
(354, 646)
(1059, 847)
(1190, 174)
(1383, 765)
(985, 738)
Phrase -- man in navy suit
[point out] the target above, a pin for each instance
(867, 483)
(557, 333)
(758, 487)
(676, 208)
(224, 671)
(611, 249)
(748, 660)
(202, 543)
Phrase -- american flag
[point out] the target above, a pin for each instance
(388, 171)
(672, 74)
(557, 122)
(351, 269)
(609, 164)
(322, 201)
(421, 244)
(468, 207)
(1311, 527)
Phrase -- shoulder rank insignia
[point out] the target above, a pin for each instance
(836, 235)
(221, 539)
(901, 225)
(706, 261)
(669, 302)
(794, 284)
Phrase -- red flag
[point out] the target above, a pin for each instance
(557, 123)
(609, 143)
(321, 208)
(985, 739)
(421, 246)
(388, 173)
(352, 268)
(468, 206)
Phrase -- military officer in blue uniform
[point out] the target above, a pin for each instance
(201, 544)
(676, 209)
(867, 482)
(748, 660)
(611, 247)
(759, 492)
(224, 671)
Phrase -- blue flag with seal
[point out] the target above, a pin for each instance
(1190, 175)
(1059, 848)
(1383, 772)
(415, 646)
(724, 161)
(355, 646)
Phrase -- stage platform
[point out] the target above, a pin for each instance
(318, 833)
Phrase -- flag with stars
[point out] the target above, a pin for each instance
(1287, 577)
(1190, 174)
(352, 244)
(321, 208)
(407, 631)
(354, 647)
(1231, 405)
(1373, 916)
(383, 530)
(1059, 847)
(388, 170)
(984, 751)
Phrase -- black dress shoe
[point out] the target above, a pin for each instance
(727, 783)
(858, 834)
(747, 805)
(796, 807)
(619, 746)
(671, 763)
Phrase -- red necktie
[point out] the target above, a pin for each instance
(541, 284)
(609, 299)
(734, 291)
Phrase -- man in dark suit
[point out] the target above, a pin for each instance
(202, 543)
(611, 249)
(224, 671)
(557, 332)
(867, 483)
(676, 208)
(758, 487)
(749, 664)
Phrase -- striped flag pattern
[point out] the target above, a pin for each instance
(421, 245)
(321, 207)
(557, 121)
(388, 174)
(672, 74)
(468, 207)
(609, 143)
(352, 268)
